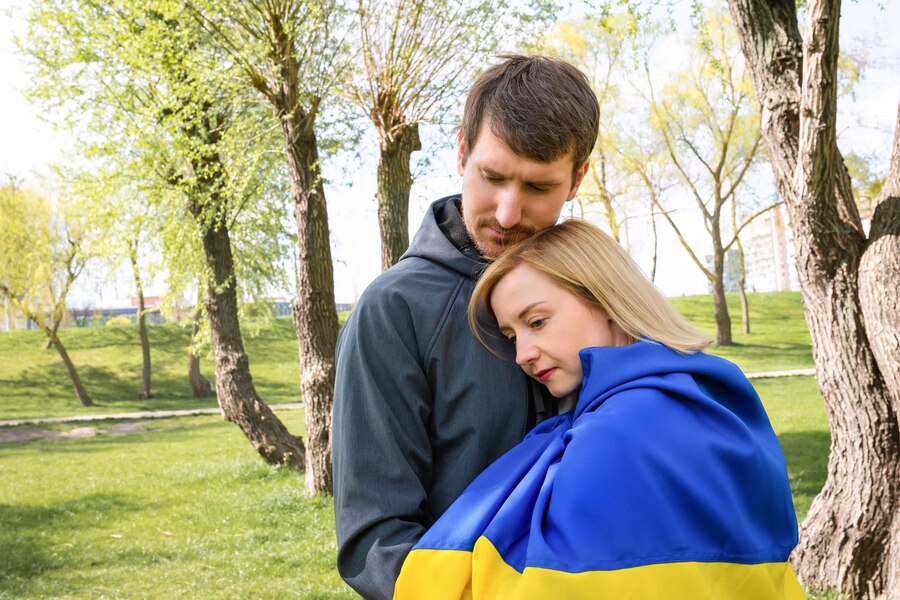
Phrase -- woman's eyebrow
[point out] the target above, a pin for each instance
(529, 307)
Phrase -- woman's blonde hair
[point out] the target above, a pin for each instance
(582, 259)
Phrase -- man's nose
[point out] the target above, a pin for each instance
(509, 208)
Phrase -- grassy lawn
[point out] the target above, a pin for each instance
(778, 338)
(34, 383)
(183, 510)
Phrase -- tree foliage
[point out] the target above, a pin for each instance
(44, 252)
(163, 113)
(418, 58)
(706, 121)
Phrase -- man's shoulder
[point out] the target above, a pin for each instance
(412, 280)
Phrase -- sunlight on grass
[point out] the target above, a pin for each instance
(184, 507)
(187, 510)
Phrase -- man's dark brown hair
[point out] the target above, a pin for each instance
(541, 107)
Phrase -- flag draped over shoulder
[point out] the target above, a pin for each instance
(666, 481)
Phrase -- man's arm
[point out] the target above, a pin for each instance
(382, 451)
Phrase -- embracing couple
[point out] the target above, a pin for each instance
(519, 413)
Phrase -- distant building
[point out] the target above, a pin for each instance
(769, 253)
(768, 256)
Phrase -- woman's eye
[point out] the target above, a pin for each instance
(537, 323)
(512, 339)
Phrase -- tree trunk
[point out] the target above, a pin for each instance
(850, 539)
(200, 386)
(235, 391)
(880, 298)
(144, 392)
(315, 315)
(742, 288)
(655, 241)
(73, 374)
(742, 271)
(720, 305)
(600, 180)
(394, 183)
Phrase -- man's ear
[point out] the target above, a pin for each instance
(579, 177)
(461, 153)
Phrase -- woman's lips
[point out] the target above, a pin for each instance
(544, 375)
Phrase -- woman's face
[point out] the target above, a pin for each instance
(549, 325)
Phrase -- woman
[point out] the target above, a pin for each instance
(665, 480)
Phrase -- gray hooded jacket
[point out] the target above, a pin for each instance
(420, 407)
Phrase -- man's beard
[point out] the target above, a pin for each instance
(512, 237)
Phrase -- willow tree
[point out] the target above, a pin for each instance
(601, 47)
(706, 121)
(43, 254)
(850, 280)
(417, 60)
(154, 100)
(291, 52)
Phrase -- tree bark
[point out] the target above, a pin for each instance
(235, 391)
(315, 315)
(200, 386)
(742, 288)
(742, 271)
(720, 305)
(394, 183)
(145, 391)
(73, 373)
(850, 539)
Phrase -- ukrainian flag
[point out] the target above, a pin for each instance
(666, 482)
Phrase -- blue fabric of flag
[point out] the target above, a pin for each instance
(666, 458)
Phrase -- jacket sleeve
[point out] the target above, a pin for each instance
(382, 453)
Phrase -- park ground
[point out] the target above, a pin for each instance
(182, 507)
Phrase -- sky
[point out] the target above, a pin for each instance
(29, 146)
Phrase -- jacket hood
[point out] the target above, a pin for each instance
(432, 244)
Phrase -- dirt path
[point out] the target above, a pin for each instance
(11, 430)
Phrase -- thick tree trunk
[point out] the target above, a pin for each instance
(315, 315)
(145, 391)
(880, 298)
(200, 386)
(235, 391)
(70, 367)
(850, 539)
(394, 184)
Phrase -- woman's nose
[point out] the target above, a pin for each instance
(525, 352)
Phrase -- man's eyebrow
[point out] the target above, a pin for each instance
(537, 182)
(529, 307)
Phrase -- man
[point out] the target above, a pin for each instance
(421, 407)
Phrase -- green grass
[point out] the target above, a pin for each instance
(778, 338)
(34, 382)
(185, 510)
(801, 423)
